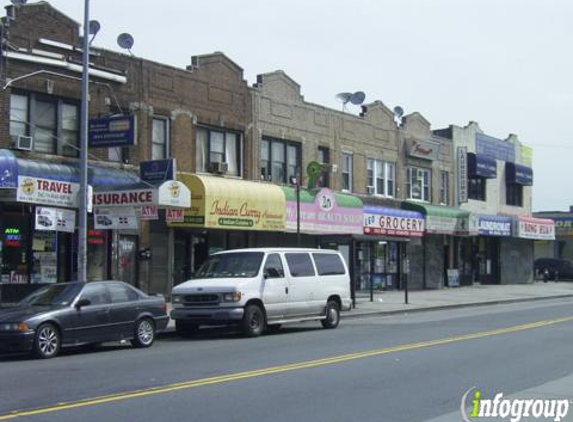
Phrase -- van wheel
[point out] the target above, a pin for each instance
(185, 328)
(253, 323)
(332, 315)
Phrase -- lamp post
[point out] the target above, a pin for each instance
(83, 198)
(295, 180)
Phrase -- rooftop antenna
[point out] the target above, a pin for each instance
(125, 41)
(347, 97)
(398, 113)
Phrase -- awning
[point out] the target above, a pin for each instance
(232, 204)
(323, 211)
(493, 225)
(516, 173)
(480, 165)
(46, 183)
(392, 222)
(535, 228)
(167, 194)
(442, 220)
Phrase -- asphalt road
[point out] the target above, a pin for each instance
(405, 368)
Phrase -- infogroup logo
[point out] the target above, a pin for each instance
(511, 409)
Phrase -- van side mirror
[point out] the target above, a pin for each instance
(83, 302)
(272, 273)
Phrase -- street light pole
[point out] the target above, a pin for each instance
(83, 198)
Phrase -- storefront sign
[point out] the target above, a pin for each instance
(12, 237)
(521, 175)
(55, 219)
(8, 170)
(47, 192)
(324, 215)
(495, 148)
(462, 174)
(482, 166)
(493, 225)
(231, 204)
(175, 215)
(535, 228)
(168, 194)
(149, 212)
(429, 150)
(158, 170)
(112, 132)
(563, 226)
(440, 224)
(115, 218)
(392, 222)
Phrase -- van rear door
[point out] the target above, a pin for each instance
(302, 285)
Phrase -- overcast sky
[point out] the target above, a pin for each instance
(507, 64)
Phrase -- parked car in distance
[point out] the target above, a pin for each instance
(264, 288)
(558, 269)
(72, 314)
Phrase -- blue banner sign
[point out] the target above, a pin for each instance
(516, 173)
(482, 166)
(494, 148)
(108, 132)
(158, 170)
(494, 225)
(8, 169)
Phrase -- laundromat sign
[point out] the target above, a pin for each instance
(47, 192)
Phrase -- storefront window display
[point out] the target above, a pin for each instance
(45, 257)
(14, 250)
(378, 264)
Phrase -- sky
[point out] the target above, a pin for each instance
(506, 64)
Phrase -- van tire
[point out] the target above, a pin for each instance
(253, 323)
(332, 315)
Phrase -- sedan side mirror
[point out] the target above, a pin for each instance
(83, 302)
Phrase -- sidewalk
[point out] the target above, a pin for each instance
(392, 302)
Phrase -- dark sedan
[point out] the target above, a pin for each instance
(557, 269)
(73, 314)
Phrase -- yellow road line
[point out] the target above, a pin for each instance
(276, 369)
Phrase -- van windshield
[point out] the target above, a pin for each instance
(231, 265)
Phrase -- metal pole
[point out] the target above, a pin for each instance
(83, 202)
(298, 209)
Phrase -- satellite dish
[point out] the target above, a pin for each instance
(94, 27)
(398, 112)
(18, 2)
(125, 41)
(344, 97)
(357, 98)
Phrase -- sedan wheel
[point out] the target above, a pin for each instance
(144, 333)
(47, 341)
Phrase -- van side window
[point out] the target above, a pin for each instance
(299, 264)
(328, 264)
(274, 267)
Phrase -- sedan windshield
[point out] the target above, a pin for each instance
(55, 294)
(231, 265)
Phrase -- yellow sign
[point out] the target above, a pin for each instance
(526, 155)
(218, 202)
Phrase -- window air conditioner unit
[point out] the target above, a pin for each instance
(218, 167)
(371, 190)
(25, 143)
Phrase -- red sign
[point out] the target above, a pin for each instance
(149, 212)
(174, 215)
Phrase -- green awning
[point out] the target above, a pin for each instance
(441, 219)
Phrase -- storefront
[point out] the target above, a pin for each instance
(225, 214)
(38, 241)
(437, 261)
(383, 247)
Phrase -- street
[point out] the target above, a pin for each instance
(408, 367)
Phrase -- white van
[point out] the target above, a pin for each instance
(264, 288)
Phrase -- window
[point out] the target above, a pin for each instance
(274, 267)
(299, 264)
(279, 159)
(418, 183)
(347, 172)
(120, 294)
(514, 194)
(380, 177)
(160, 139)
(328, 264)
(324, 158)
(52, 122)
(96, 294)
(444, 188)
(218, 146)
(477, 188)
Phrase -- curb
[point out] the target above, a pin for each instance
(170, 331)
(349, 315)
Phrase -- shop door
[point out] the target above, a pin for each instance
(182, 259)
(127, 259)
